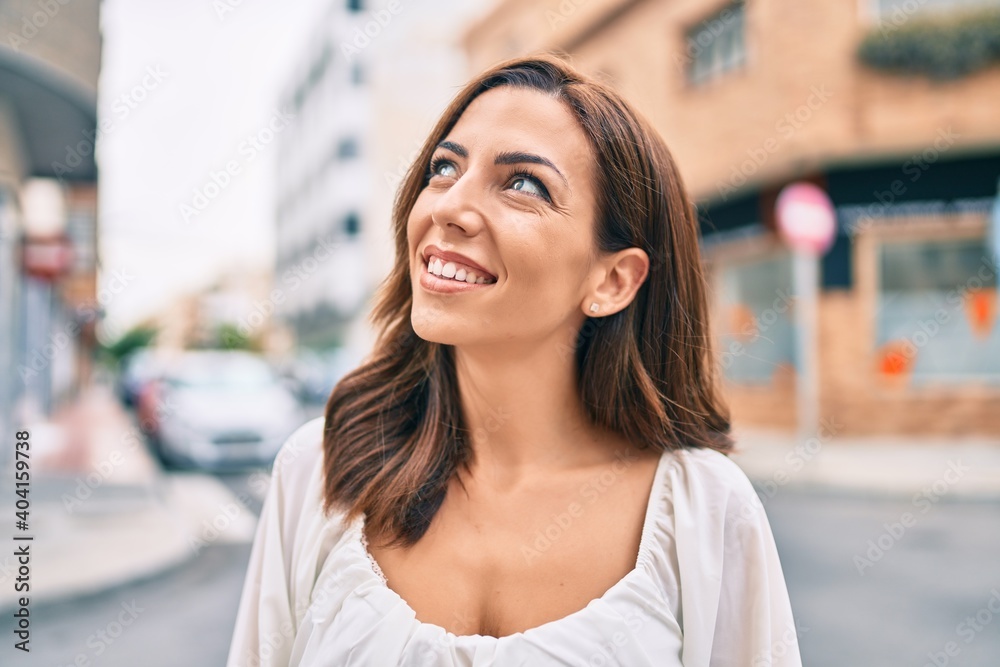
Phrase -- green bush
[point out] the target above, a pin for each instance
(130, 341)
(939, 48)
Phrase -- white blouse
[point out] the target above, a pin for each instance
(706, 590)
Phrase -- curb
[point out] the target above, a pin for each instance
(103, 547)
(963, 468)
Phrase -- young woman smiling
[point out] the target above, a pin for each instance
(530, 468)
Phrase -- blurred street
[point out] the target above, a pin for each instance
(150, 573)
(119, 564)
(907, 604)
(896, 614)
(195, 234)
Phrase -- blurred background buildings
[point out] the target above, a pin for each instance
(324, 182)
(50, 58)
(368, 85)
(753, 96)
(894, 117)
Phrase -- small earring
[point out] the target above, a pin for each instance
(594, 307)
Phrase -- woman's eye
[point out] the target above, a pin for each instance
(529, 185)
(443, 168)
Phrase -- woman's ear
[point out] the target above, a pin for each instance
(618, 277)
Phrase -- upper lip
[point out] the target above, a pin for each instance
(455, 257)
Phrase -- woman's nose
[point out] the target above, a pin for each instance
(460, 206)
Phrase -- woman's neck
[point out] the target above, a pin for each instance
(524, 413)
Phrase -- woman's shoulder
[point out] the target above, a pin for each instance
(702, 500)
(711, 506)
(294, 503)
(707, 515)
(726, 563)
(713, 472)
(706, 491)
(301, 453)
(297, 474)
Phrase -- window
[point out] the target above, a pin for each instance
(936, 311)
(717, 45)
(757, 334)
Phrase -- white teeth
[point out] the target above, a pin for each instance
(451, 271)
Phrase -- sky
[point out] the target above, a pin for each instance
(188, 87)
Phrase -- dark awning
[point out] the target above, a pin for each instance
(54, 114)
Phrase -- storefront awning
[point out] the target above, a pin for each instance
(56, 117)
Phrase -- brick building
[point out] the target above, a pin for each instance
(751, 96)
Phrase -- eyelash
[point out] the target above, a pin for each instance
(513, 173)
(435, 164)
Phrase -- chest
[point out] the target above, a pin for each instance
(497, 564)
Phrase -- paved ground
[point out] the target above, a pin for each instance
(914, 597)
(182, 617)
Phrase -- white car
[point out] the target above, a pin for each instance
(138, 368)
(222, 409)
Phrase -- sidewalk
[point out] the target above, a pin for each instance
(966, 468)
(102, 511)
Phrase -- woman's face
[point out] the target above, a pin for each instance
(511, 189)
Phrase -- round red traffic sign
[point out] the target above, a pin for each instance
(806, 219)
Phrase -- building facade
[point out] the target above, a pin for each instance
(50, 56)
(752, 96)
(371, 82)
(324, 184)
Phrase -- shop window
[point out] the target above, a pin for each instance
(936, 311)
(757, 336)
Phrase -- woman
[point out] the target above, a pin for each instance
(530, 468)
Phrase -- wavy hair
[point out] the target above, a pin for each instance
(394, 431)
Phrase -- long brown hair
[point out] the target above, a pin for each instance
(394, 431)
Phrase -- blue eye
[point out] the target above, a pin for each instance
(442, 167)
(529, 184)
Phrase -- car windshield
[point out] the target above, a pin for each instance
(223, 375)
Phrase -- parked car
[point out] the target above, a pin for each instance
(138, 369)
(315, 374)
(222, 409)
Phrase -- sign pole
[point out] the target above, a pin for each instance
(807, 223)
(804, 280)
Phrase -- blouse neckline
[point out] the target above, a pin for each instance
(645, 540)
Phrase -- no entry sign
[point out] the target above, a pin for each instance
(806, 219)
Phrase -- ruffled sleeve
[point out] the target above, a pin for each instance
(735, 609)
(270, 608)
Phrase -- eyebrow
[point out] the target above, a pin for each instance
(507, 157)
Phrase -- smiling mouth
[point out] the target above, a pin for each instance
(456, 272)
